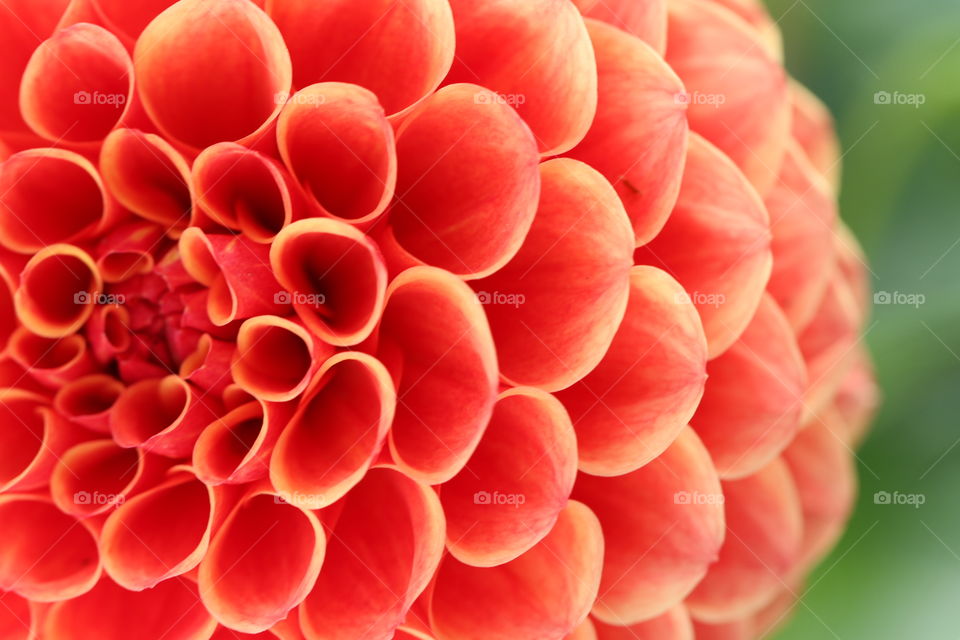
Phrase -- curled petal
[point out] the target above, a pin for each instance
(356, 33)
(646, 19)
(127, 19)
(638, 139)
(209, 365)
(516, 483)
(544, 593)
(108, 332)
(87, 401)
(857, 398)
(58, 290)
(337, 143)
(262, 562)
(537, 56)
(823, 469)
(445, 372)
(675, 624)
(189, 61)
(663, 526)
(96, 476)
(52, 362)
(738, 92)
(384, 548)
(753, 403)
(128, 251)
(764, 532)
(163, 415)
(802, 217)
(337, 432)
(716, 244)
(108, 612)
(8, 311)
(555, 308)
(237, 271)
(275, 358)
(829, 342)
(77, 85)
(158, 534)
(32, 438)
(451, 149)
(236, 447)
(49, 196)
(148, 175)
(650, 381)
(333, 275)
(45, 554)
(813, 129)
(245, 190)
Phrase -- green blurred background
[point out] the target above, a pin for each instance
(896, 573)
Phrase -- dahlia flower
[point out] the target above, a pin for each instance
(417, 319)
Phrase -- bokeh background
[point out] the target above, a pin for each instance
(896, 573)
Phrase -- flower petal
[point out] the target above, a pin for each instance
(646, 19)
(675, 624)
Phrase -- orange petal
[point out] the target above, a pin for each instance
(237, 271)
(208, 366)
(158, 534)
(127, 251)
(675, 624)
(755, 13)
(547, 72)
(445, 372)
(823, 469)
(262, 562)
(738, 92)
(736, 630)
(555, 308)
(49, 196)
(663, 526)
(33, 438)
(586, 630)
(276, 357)
(638, 139)
(170, 610)
(384, 548)
(337, 432)
(8, 311)
(45, 554)
(52, 362)
(236, 448)
(163, 415)
(764, 531)
(857, 398)
(716, 244)
(77, 85)
(802, 217)
(189, 61)
(650, 381)
(334, 276)
(545, 593)
(356, 33)
(450, 150)
(753, 402)
(148, 175)
(58, 290)
(16, 619)
(517, 482)
(813, 128)
(87, 401)
(646, 19)
(337, 143)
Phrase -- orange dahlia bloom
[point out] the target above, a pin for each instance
(417, 319)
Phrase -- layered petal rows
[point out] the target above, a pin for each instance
(417, 319)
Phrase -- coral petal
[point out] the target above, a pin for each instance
(646, 19)
(675, 624)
